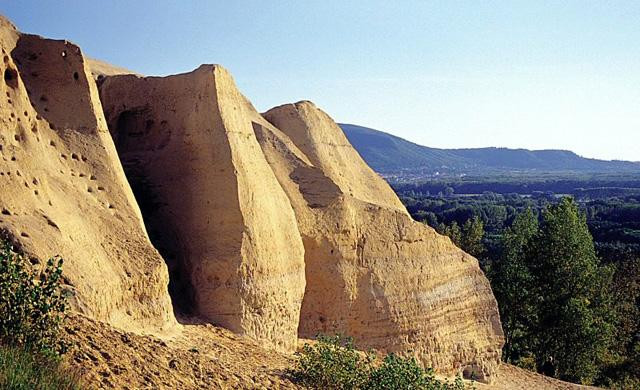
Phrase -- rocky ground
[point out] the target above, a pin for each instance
(196, 356)
(202, 356)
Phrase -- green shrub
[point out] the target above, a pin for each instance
(333, 363)
(22, 369)
(405, 374)
(32, 305)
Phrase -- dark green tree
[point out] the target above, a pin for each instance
(471, 237)
(513, 286)
(449, 191)
(574, 321)
(554, 295)
(452, 231)
(623, 369)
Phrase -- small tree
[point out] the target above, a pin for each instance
(397, 372)
(32, 305)
(472, 235)
(332, 363)
(452, 231)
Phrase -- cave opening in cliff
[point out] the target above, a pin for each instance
(11, 77)
(128, 134)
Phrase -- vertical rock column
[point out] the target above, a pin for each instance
(211, 202)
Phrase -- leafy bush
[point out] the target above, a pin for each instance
(31, 314)
(404, 373)
(22, 369)
(32, 305)
(333, 363)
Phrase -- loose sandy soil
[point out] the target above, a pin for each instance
(514, 378)
(202, 356)
(197, 356)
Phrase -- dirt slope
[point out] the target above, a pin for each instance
(199, 357)
(208, 357)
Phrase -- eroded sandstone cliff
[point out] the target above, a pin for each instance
(63, 190)
(372, 272)
(211, 201)
(271, 225)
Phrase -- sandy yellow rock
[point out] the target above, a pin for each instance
(322, 141)
(210, 199)
(63, 190)
(372, 272)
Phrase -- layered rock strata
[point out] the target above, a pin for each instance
(372, 272)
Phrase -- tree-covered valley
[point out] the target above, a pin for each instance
(563, 257)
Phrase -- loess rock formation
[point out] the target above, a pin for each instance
(372, 272)
(63, 190)
(211, 201)
(269, 225)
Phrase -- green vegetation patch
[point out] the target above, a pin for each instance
(333, 363)
(22, 369)
(32, 310)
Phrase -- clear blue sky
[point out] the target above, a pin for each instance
(534, 74)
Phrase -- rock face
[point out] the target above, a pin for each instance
(271, 225)
(63, 190)
(320, 139)
(211, 201)
(372, 272)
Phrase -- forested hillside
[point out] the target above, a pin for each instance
(394, 156)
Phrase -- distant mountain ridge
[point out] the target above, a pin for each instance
(389, 154)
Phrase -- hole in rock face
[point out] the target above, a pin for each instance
(11, 77)
(134, 133)
(473, 372)
(75, 75)
(130, 128)
(163, 237)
